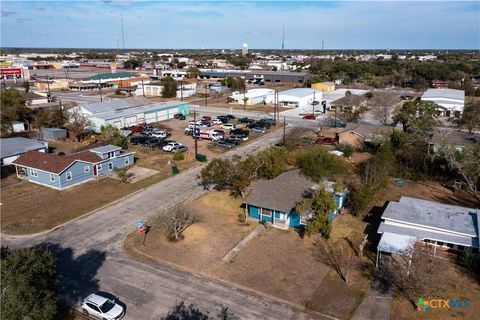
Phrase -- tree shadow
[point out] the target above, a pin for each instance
(181, 311)
(76, 275)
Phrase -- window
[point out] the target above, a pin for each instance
(110, 166)
(86, 169)
(267, 212)
(460, 248)
(127, 161)
(69, 175)
(439, 243)
(33, 172)
(450, 245)
(99, 166)
(52, 177)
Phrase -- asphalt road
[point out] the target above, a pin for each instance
(90, 258)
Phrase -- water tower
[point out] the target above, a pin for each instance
(244, 49)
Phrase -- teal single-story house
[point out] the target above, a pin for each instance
(274, 201)
(57, 172)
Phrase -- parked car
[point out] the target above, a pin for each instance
(206, 118)
(216, 122)
(179, 116)
(259, 130)
(138, 139)
(171, 145)
(230, 116)
(162, 143)
(220, 132)
(255, 125)
(137, 129)
(224, 144)
(102, 306)
(234, 141)
(310, 117)
(245, 120)
(223, 119)
(159, 134)
(270, 121)
(263, 123)
(149, 128)
(240, 131)
(242, 137)
(180, 149)
(152, 142)
(228, 126)
(189, 131)
(206, 123)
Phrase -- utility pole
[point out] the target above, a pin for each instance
(181, 90)
(100, 88)
(143, 89)
(123, 35)
(284, 130)
(206, 93)
(48, 87)
(313, 104)
(195, 132)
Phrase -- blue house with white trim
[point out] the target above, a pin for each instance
(60, 173)
(274, 201)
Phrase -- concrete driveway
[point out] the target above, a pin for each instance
(90, 257)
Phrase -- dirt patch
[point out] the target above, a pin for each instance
(458, 285)
(137, 173)
(205, 243)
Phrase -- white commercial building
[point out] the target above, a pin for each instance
(253, 96)
(12, 148)
(299, 97)
(130, 112)
(184, 90)
(450, 101)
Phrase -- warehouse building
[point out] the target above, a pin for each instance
(450, 101)
(253, 96)
(130, 112)
(299, 97)
(256, 76)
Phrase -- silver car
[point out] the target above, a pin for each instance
(102, 306)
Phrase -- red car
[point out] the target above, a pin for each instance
(310, 117)
(136, 129)
(207, 118)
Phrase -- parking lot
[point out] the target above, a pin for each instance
(211, 149)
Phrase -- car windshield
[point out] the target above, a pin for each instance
(107, 306)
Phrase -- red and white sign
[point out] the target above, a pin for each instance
(10, 71)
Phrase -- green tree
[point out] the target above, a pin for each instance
(273, 162)
(315, 208)
(169, 87)
(12, 108)
(318, 164)
(470, 118)
(28, 287)
(113, 136)
(217, 172)
(418, 117)
(26, 86)
(193, 72)
(181, 65)
(132, 64)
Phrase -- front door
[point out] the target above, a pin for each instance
(95, 173)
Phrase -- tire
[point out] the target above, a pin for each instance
(85, 312)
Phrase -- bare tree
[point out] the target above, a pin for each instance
(76, 123)
(177, 219)
(414, 273)
(337, 255)
(383, 103)
(466, 163)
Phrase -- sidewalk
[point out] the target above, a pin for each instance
(376, 305)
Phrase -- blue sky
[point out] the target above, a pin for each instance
(227, 24)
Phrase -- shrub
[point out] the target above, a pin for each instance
(61, 154)
(359, 199)
(178, 156)
(347, 149)
(318, 164)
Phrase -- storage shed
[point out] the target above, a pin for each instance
(53, 134)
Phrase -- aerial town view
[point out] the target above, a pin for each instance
(230, 160)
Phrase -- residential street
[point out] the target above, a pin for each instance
(90, 257)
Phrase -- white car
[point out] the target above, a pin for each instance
(101, 306)
(159, 134)
(227, 126)
(216, 121)
(171, 145)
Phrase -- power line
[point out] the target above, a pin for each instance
(123, 35)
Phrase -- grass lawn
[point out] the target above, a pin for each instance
(206, 242)
(30, 208)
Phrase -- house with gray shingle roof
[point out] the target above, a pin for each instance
(441, 225)
(62, 172)
(274, 201)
